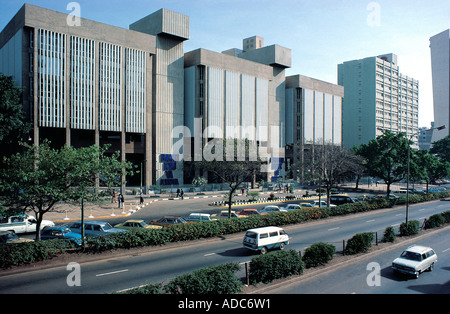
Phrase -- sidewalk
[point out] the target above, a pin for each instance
(68, 212)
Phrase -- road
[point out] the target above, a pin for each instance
(161, 264)
(359, 277)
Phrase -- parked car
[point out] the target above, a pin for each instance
(22, 224)
(60, 233)
(224, 215)
(415, 260)
(306, 205)
(272, 209)
(10, 237)
(322, 204)
(94, 228)
(289, 207)
(198, 217)
(340, 199)
(135, 223)
(168, 220)
(266, 238)
(249, 212)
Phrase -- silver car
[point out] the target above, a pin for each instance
(415, 260)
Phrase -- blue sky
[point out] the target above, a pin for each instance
(321, 33)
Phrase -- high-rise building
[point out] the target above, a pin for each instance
(239, 94)
(94, 83)
(313, 116)
(377, 98)
(440, 68)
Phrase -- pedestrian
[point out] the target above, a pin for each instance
(182, 194)
(178, 192)
(113, 200)
(121, 200)
(141, 197)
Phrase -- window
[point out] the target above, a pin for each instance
(263, 235)
(274, 234)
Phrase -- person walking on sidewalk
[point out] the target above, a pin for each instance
(182, 194)
(121, 200)
(141, 198)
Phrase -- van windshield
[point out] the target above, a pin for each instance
(251, 234)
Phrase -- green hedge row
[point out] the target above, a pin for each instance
(24, 253)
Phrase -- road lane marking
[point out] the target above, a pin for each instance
(446, 250)
(333, 229)
(210, 254)
(399, 215)
(112, 273)
(372, 220)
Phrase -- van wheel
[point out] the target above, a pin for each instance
(282, 245)
(431, 267)
(264, 250)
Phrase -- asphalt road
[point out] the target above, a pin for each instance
(161, 264)
(359, 277)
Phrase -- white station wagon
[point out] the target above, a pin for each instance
(415, 260)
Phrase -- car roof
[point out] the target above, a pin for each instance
(134, 220)
(418, 248)
(265, 229)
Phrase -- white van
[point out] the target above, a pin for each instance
(266, 238)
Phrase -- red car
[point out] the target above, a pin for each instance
(249, 211)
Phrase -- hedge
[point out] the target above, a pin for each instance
(219, 279)
(274, 265)
(318, 254)
(410, 228)
(359, 243)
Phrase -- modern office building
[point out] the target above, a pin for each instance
(440, 68)
(239, 94)
(377, 98)
(313, 116)
(99, 84)
(135, 89)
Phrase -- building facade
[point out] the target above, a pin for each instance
(440, 68)
(377, 98)
(239, 94)
(136, 90)
(313, 117)
(99, 84)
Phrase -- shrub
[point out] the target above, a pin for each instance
(208, 280)
(389, 234)
(318, 254)
(434, 221)
(274, 265)
(410, 228)
(446, 216)
(359, 243)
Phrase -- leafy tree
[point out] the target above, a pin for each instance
(428, 167)
(386, 157)
(12, 125)
(232, 161)
(441, 148)
(42, 176)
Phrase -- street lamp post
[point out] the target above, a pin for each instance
(439, 128)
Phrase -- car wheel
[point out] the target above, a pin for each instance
(264, 250)
(282, 245)
(416, 275)
(431, 267)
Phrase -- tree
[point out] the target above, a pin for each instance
(428, 167)
(230, 163)
(386, 157)
(331, 163)
(12, 125)
(441, 148)
(42, 176)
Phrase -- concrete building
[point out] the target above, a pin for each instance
(98, 84)
(313, 116)
(440, 68)
(239, 94)
(377, 98)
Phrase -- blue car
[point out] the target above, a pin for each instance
(60, 233)
(94, 228)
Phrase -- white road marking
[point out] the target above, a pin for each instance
(333, 229)
(210, 254)
(112, 273)
(372, 220)
(446, 250)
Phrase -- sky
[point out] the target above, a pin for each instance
(320, 33)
